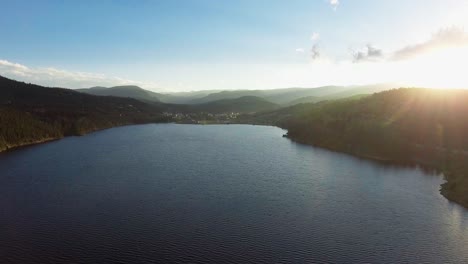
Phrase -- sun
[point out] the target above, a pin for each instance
(442, 69)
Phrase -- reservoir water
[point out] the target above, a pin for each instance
(170, 193)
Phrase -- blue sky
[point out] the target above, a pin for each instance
(213, 44)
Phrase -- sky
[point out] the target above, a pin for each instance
(186, 45)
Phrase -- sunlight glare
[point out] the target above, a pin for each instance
(441, 69)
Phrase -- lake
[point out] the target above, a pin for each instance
(170, 193)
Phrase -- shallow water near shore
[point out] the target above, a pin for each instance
(173, 193)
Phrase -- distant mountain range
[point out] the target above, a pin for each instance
(283, 97)
(129, 91)
(291, 96)
(132, 91)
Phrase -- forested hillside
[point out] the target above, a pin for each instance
(32, 113)
(422, 126)
(20, 128)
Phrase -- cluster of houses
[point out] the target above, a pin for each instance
(203, 117)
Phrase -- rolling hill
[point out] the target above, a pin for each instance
(277, 96)
(245, 104)
(136, 92)
(290, 96)
(315, 99)
(184, 97)
(284, 96)
(129, 91)
(223, 95)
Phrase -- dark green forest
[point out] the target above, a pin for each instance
(31, 113)
(19, 128)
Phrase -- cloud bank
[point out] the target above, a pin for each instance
(444, 38)
(62, 78)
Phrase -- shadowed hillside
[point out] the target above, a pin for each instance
(32, 113)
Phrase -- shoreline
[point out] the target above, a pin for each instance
(9, 148)
(47, 140)
(450, 196)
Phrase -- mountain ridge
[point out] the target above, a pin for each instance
(280, 96)
(125, 91)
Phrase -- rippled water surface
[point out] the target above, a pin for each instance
(218, 194)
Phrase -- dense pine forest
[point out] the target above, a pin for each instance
(32, 114)
(409, 126)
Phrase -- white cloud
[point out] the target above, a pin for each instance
(12, 65)
(300, 50)
(334, 3)
(315, 36)
(445, 38)
(49, 76)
